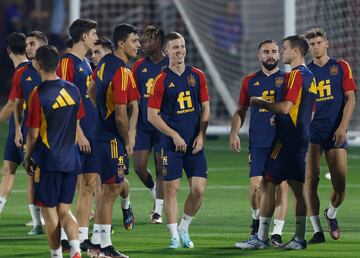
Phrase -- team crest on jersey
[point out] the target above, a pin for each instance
(334, 70)
(279, 81)
(191, 80)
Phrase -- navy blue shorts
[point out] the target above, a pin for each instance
(286, 162)
(174, 162)
(145, 140)
(325, 139)
(257, 161)
(11, 152)
(54, 187)
(114, 163)
(89, 161)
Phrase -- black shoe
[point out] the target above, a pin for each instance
(254, 227)
(110, 251)
(317, 238)
(86, 245)
(276, 240)
(65, 246)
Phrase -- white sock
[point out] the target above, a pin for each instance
(42, 219)
(173, 230)
(315, 222)
(153, 191)
(185, 222)
(255, 214)
(159, 203)
(35, 214)
(125, 202)
(278, 226)
(331, 212)
(56, 253)
(264, 228)
(300, 228)
(63, 234)
(2, 203)
(95, 239)
(83, 233)
(105, 232)
(75, 247)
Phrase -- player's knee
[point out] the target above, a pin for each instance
(88, 185)
(8, 171)
(340, 188)
(63, 212)
(257, 189)
(111, 192)
(198, 191)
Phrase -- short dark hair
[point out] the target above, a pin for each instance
(156, 33)
(81, 26)
(315, 32)
(39, 36)
(48, 58)
(172, 36)
(122, 32)
(299, 42)
(69, 43)
(16, 43)
(267, 41)
(106, 43)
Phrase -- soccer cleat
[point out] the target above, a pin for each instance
(65, 246)
(276, 240)
(128, 218)
(93, 250)
(317, 238)
(29, 224)
(333, 227)
(37, 230)
(110, 251)
(174, 243)
(294, 245)
(156, 218)
(253, 243)
(76, 255)
(86, 245)
(254, 227)
(185, 239)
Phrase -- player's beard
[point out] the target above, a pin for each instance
(270, 66)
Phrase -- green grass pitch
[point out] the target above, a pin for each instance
(223, 219)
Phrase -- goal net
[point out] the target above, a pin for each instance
(222, 35)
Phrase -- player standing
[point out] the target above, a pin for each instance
(103, 47)
(334, 107)
(287, 156)
(16, 49)
(268, 83)
(145, 71)
(75, 68)
(29, 80)
(111, 132)
(179, 108)
(54, 110)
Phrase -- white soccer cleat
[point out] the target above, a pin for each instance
(253, 243)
